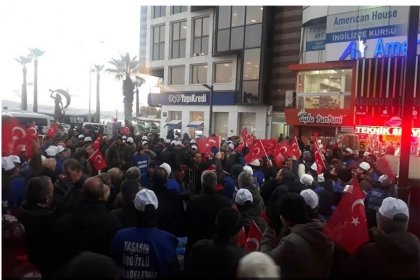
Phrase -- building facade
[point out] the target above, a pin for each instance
(349, 81)
(212, 64)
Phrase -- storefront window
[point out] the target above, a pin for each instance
(324, 89)
(177, 75)
(247, 120)
(223, 72)
(196, 130)
(221, 124)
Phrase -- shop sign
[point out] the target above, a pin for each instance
(315, 37)
(384, 130)
(183, 98)
(307, 118)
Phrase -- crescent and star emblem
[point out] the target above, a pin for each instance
(32, 131)
(254, 241)
(98, 159)
(17, 136)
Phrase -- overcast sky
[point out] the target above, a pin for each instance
(74, 35)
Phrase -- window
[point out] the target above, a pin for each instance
(221, 121)
(201, 36)
(324, 89)
(251, 74)
(199, 74)
(177, 75)
(179, 35)
(239, 27)
(159, 11)
(178, 9)
(247, 120)
(158, 51)
(223, 72)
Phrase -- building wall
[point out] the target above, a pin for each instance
(285, 50)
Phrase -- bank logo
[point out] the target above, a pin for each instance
(172, 98)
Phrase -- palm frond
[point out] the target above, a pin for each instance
(35, 52)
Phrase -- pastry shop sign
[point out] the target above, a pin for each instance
(307, 118)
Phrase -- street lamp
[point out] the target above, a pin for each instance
(211, 106)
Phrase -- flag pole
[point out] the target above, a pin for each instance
(263, 149)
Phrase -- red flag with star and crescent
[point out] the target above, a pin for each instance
(269, 145)
(97, 160)
(253, 241)
(256, 151)
(248, 139)
(294, 148)
(280, 153)
(319, 161)
(52, 130)
(15, 137)
(97, 142)
(347, 225)
(205, 144)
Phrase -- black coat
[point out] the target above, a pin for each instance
(127, 215)
(201, 214)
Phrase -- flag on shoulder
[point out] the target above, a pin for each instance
(347, 225)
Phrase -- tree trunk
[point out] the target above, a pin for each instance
(98, 103)
(137, 102)
(128, 88)
(24, 105)
(36, 85)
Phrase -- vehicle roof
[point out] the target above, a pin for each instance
(26, 114)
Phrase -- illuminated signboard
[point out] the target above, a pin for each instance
(384, 130)
(307, 118)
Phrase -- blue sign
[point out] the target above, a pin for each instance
(191, 98)
(367, 33)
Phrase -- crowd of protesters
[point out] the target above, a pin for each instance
(163, 209)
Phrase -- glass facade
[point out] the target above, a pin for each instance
(158, 11)
(199, 74)
(158, 50)
(178, 9)
(221, 124)
(201, 36)
(222, 72)
(324, 89)
(179, 39)
(247, 120)
(177, 75)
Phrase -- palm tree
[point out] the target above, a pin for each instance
(138, 83)
(123, 68)
(23, 60)
(98, 69)
(35, 53)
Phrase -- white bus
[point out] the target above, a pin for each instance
(41, 121)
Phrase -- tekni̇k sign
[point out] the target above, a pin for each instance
(307, 118)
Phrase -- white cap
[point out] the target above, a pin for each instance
(60, 149)
(145, 197)
(88, 139)
(231, 146)
(43, 157)
(249, 169)
(255, 162)
(124, 137)
(193, 141)
(51, 151)
(81, 136)
(365, 154)
(384, 180)
(168, 141)
(130, 140)
(257, 265)
(167, 167)
(15, 158)
(7, 163)
(392, 206)
(364, 165)
(306, 179)
(349, 150)
(242, 196)
(194, 147)
(321, 178)
(104, 137)
(144, 143)
(310, 197)
(144, 137)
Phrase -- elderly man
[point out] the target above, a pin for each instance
(395, 253)
(76, 178)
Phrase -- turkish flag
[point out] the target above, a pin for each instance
(280, 153)
(52, 131)
(13, 136)
(253, 242)
(256, 151)
(32, 132)
(242, 238)
(205, 144)
(248, 139)
(347, 225)
(124, 130)
(240, 147)
(97, 142)
(294, 148)
(319, 161)
(269, 145)
(97, 160)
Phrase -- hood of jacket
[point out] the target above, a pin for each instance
(403, 244)
(313, 234)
